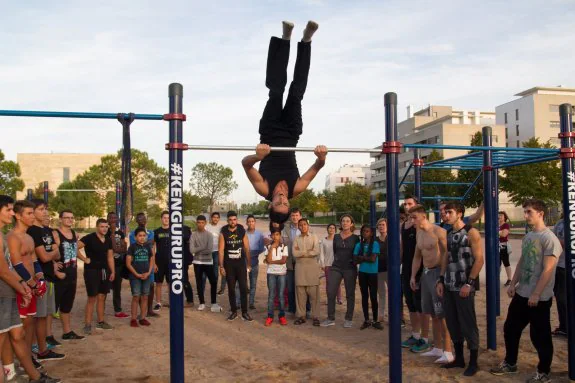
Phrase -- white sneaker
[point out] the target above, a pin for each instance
(201, 307)
(347, 324)
(435, 352)
(216, 308)
(447, 357)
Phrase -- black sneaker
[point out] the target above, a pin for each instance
(559, 332)
(72, 336)
(52, 341)
(247, 317)
(508, 283)
(37, 365)
(233, 316)
(365, 325)
(50, 355)
(44, 378)
(252, 307)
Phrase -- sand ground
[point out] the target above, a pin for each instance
(221, 351)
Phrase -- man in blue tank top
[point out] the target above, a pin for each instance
(278, 178)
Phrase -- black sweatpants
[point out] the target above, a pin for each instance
(208, 271)
(460, 318)
(117, 286)
(368, 288)
(237, 271)
(279, 125)
(519, 315)
(188, 290)
(560, 290)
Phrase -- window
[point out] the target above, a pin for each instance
(516, 114)
(506, 133)
(554, 108)
(554, 124)
(506, 144)
(518, 144)
(506, 118)
(66, 175)
(517, 130)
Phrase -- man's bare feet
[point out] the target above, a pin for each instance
(309, 30)
(287, 28)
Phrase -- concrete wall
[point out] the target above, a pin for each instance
(526, 121)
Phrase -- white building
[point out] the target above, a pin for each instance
(358, 174)
(534, 114)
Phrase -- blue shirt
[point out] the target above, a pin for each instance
(148, 231)
(256, 240)
(448, 226)
(367, 267)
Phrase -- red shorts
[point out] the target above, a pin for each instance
(26, 311)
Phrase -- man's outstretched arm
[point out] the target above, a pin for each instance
(248, 162)
(304, 181)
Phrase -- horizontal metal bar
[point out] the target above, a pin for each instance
(441, 183)
(82, 190)
(280, 149)
(442, 198)
(479, 148)
(519, 163)
(110, 116)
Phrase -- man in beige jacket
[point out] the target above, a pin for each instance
(306, 251)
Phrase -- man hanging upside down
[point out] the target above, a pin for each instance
(278, 177)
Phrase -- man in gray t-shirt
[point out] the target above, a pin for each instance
(560, 289)
(532, 289)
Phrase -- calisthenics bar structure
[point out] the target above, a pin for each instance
(488, 160)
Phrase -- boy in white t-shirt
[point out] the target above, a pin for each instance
(276, 257)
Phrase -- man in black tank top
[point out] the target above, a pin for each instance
(278, 178)
(235, 261)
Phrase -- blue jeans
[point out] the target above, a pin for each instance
(276, 283)
(215, 257)
(290, 284)
(140, 287)
(253, 282)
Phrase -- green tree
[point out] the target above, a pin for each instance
(541, 180)
(10, 173)
(194, 205)
(38, 193)
(435, 175)
(149, 180)
(306, 201)
(255, 208)
(212, 181)
(83, 204)
(475, 197)
(351, 198)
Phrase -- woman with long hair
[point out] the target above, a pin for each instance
(504, 248)
(366, 253)
(326, 257)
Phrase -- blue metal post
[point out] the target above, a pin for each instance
(497, 262)
(46, 192)
(29, 194)
(417, 164)
(119, 206)
(372, 212)
(391, 149)
(176, 92)
(489, 195)
(568, 169)
(437, 205)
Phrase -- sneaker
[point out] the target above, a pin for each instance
(220, 291)
(72, 336)
(232, 316)
(539, 377)
(508, 283)
(377, 325)
(559, 332)
(403, 324)
(37, 365)
(103, 326)
(144, 322)
(252, 306)
(365, 325)
(51, 341)
(283, 321)
(216, 308)
(504, 368)
(87, 329)
(420, 346)
(121, 315)
(201, 307)
(134, 323)
(409, 342)
(50, 355)
(327, 323)
(152, 314)
(445, 358)
(44, 378)
(269, 321)
(56, 315)
(347, 324)
(157, 307)
(435, 352)
(247, 317)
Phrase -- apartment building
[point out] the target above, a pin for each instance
(359, 174)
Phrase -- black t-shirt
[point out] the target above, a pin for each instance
(382, 259)
(409, 243)
(119, 237)
(162, 240)
(279, 166)
(234, 243)
(42, 236)
(97, 251)
(140, 255)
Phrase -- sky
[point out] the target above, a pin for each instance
(120, 56)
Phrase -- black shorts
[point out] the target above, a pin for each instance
(163, 272)
(412, 298)
(504, 255)
(65, 294)
(97, 281)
